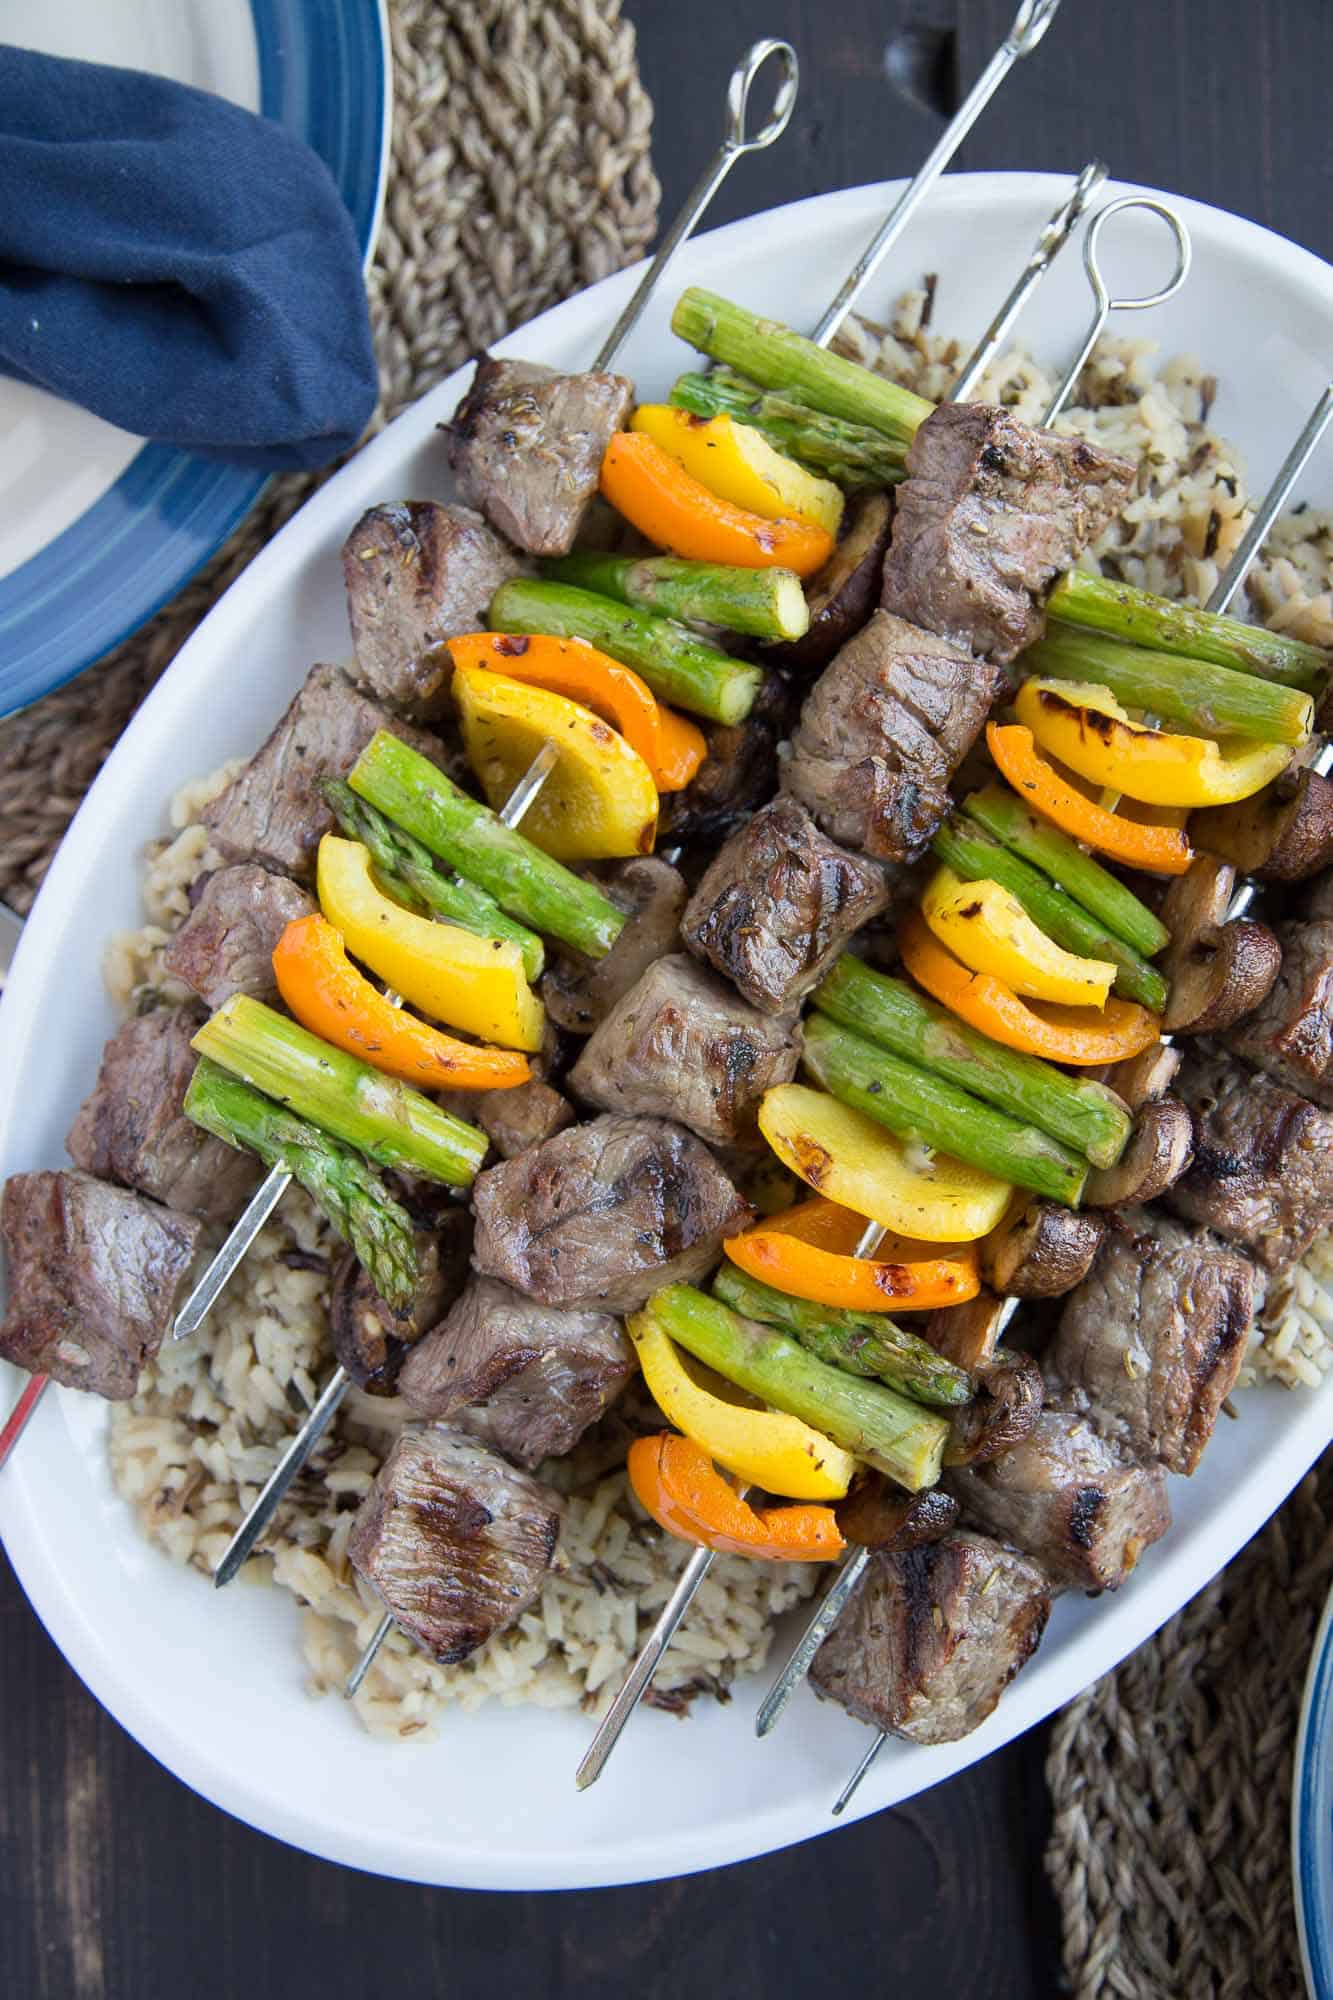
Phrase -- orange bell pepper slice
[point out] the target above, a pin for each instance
(679, 514)
(808, 1252)
(1083, 1037)
(1163, 850)
(329, 996)
(686, 1494)
(671, 747)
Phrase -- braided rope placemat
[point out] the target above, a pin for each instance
(520, 173)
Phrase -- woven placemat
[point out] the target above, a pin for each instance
(521, 172)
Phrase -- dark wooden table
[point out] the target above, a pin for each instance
(118, 1884)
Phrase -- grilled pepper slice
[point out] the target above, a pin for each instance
(809, 1251)
(1161, 850)
(1087, 729)
(739, 464)
(685, 1494)
(678, 513)
(987, 927)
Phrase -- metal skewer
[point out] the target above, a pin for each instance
(1105, 305)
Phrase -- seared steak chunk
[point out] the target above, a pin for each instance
(93, 1274)
(1071, 1499)
(990, 514)
(681, 1044)
(933, 1637)
(226, 943)
(132, 1129)
(370, 1338)
(273, 812)
(579, 992)
(417, 574)
(605, 1213)
(738, 774)
(454, 1541)
(1150, 1344)
(527, 443)
(881, 733)
(527, 1378)
(514, 1120)
(1291, 1033)
(778, 904)
(1263, 1161)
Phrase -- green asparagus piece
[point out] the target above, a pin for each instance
(1209, 700)
(896, 1436)
(342, 1186)
(1006, 817)
(853, 455)
(1082, 1114)
(388, 1121)
(970, 852)
(1102, 605)
(919, 1105)
(766, 603)
(867, 1344)
(676, 663)
(776, 358)
(409, 790)
(407, 871)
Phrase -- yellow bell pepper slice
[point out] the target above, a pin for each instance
(739, 464)
(841, 1153)
(473, 983)
(764, 1448)
(599, 802)
(1085, 727)
(986, 926)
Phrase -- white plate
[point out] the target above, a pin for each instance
(213, 1686)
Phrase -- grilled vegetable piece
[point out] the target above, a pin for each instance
(648, 892)
(1158, 1153)
(842, 594)
(1085, 727)
(878, 1515)
(1160, 850)
(1101, 604)
(853, 455)
(1103, 895)
(765, 603)
(968, 1334)
(1007, 1395)
(677, 1483)
(1212, 700)
(810, 1252)
(679, 514)
(1145, 1078)
(739, 774)
(1219, 971)
(984, 924)
(1281, 834)
(735, 461)
(1262, 1173)
(225, 945)
(1040, 1250)
(371, 1338)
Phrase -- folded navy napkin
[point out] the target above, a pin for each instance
(183, 268)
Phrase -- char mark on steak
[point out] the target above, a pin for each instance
(580, 992)
(225, 946)
(370, 1338)
(933, 1637)
(1290, 1035)
(604, 1213)
(881, 733)
(1263, 1161)
(93, 1275)
(455, 1542)
(526, 445)
(990, 514)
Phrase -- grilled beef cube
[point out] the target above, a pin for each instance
(370, 1337)
(453, 1540)
(1071, 1499)
(93, 1276)
(881, 733)
(933, 1636)
(580, 992)
(526, 445)
(1291, 1033)
(605, 1213)
(990, 514)
(514, 1120)
(132, 1128)
(524, 1377)
(681, 1044)
(738, 774)
(1263, 1161)
(417, 574)
(1150, 1344)
(273, 812)
(225, 945)
(778, 904)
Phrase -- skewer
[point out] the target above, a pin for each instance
(1105, 305)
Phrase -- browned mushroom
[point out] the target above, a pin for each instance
(1282, 834)
(1160, 1149)
(880, 1515)
(1218, 971)
(1003, 1411)
(843, 593)
(1142, 1079)
(1040, 1250)
(966, 1334)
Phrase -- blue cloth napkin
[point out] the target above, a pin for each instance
(183, 268)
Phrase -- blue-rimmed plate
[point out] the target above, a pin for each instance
(1312, 1816)
(98, 529)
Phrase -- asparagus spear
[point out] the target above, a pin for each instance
(407, 870)
(340, 1183)
(389, 1121)
(1102, 605)
(969, 850)
(867, 1344)
(918, 1104)
(896, 1436)
(409, 790)
(766, 603)
(776, 358)
(853, 455)
(676, 663)
(1210, 700)
(1006, 817)
(1084, 1115)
